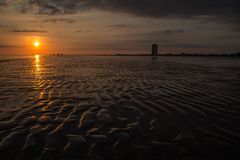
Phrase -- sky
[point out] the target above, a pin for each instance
(93, 27)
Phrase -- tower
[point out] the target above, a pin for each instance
(154, 50)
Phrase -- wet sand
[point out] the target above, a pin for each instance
(120, 108)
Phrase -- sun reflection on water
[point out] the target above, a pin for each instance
(37, 65)
(37, 57)
(37, 62)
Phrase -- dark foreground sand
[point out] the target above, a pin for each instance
(120, 108)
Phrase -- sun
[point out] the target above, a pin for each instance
(36, 44)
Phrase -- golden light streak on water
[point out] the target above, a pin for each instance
(37, 62)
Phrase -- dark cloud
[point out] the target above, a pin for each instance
(151, 8)
(10, 46)
(3, 4)
(225, 11)
(86, 31)
(119, 26)
(236, 29)
(229, 37)
(55, 20)
(174, 31)
(51, 7)
(28, 31)
(159, 33)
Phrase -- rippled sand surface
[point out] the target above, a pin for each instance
(120, 108)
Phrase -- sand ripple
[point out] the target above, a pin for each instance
(120, 108)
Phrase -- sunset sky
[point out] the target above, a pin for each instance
(119, 26)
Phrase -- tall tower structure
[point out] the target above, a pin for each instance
(154, 50)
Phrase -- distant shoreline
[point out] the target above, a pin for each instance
(185, 55)
(236, 55)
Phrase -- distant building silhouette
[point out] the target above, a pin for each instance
(154, 50)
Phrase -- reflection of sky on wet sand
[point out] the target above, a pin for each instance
(40, 71)
(37, 67)
(37, 62)
(188, 91)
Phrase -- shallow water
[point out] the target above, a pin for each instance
(4, 58)
(120, 108)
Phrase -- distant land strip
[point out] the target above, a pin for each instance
(187, 54)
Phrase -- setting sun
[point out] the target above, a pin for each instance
(36, 44)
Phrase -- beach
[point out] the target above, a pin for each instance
(120, 108)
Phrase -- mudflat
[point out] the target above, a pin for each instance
(120, 108)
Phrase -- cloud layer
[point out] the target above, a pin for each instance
(223, 11)
(150, 8)
(3, 4)
(55, 20)
(28, 31)
(171, 23)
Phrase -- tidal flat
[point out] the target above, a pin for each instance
(120, 108)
